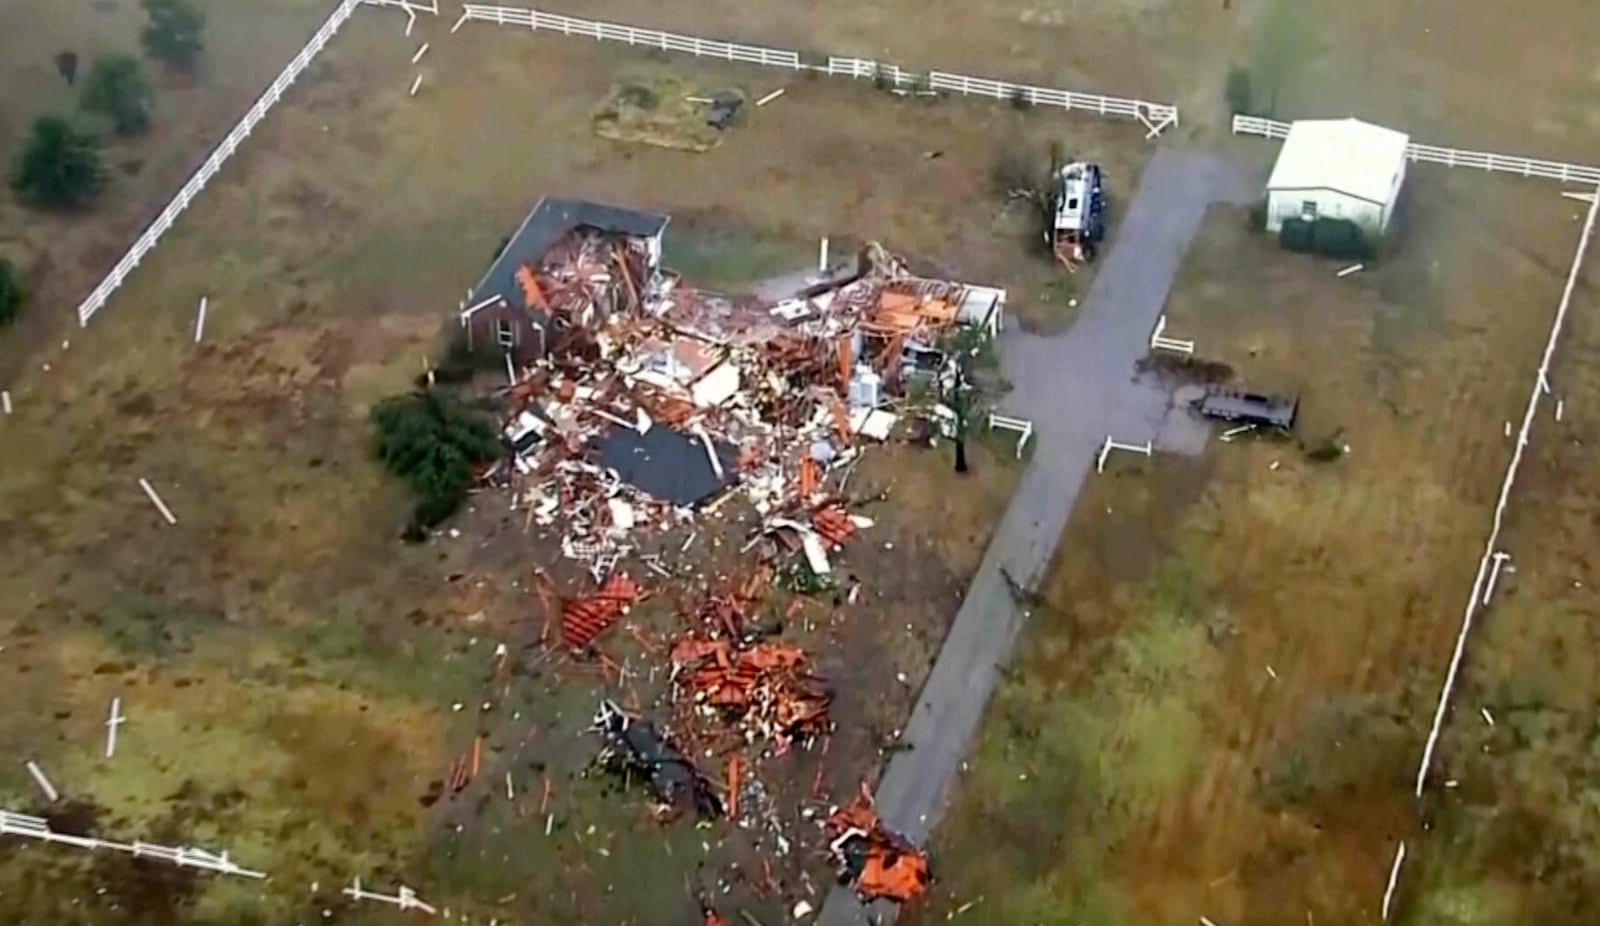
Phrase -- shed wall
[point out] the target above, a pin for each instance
(1289, 204)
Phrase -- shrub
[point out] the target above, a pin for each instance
(1237, 92)
(1295, 235)
(10, 293)
(882, 79)
(58, 166)
(172, 32)
(1021, 99)
(1338, 238)
(433, 441)
(116, 88)
(1328, 237)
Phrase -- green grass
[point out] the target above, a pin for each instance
(1105, 757)
(726, 257)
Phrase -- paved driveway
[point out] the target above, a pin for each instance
(1077, 386)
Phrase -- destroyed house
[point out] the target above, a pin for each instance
(510, 309)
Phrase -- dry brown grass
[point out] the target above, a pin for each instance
(1169, 773)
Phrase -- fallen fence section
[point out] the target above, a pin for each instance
(1450, 157)
(1491, 546)
(186, 194)
(18, 824)
(1156, 117)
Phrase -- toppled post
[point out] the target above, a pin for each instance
(114, 720)
(1498, 561)
(156, 500)
(50, 792)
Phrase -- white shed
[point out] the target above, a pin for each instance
(1337, 169)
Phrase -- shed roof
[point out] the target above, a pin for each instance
(1344, 155)
(551, 218)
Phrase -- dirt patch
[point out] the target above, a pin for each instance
(665, 111)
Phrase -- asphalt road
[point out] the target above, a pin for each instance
(1077, 386)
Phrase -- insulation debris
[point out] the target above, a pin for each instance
(875, 862)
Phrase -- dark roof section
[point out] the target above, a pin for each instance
(551, 218)
(668, 464)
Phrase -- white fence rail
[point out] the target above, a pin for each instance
(186, 194)
(1451, 157)
(410, 6)
(1151, 113)
(646, 38)
(1541, 384)
(30, 827)
(1155, 116)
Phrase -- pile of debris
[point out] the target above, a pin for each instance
(586, 618)
(875, 862)
(650, 400)
(764, 690)
(635, 747)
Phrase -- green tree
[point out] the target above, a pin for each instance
(433, 441)
(10, 293)
(172, 32)
(59, 165)
(117, 89)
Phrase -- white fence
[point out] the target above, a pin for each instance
(646, 38)
(30, 827)
(1155, 116)
(186, 194)
(1541, 385)
(1450, 157)
(410, 6)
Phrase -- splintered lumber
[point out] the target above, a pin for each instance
(587, 618)
(733, 786)
(532, 294)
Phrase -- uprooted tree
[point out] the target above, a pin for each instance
(172, 32)
(117, 89)
(58, 166)
(434, 441)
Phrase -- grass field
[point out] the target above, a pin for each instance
(289, 669)
(62, 256)
(1514, 837)
(1226, 688)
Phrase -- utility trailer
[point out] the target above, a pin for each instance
(1251, 408)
